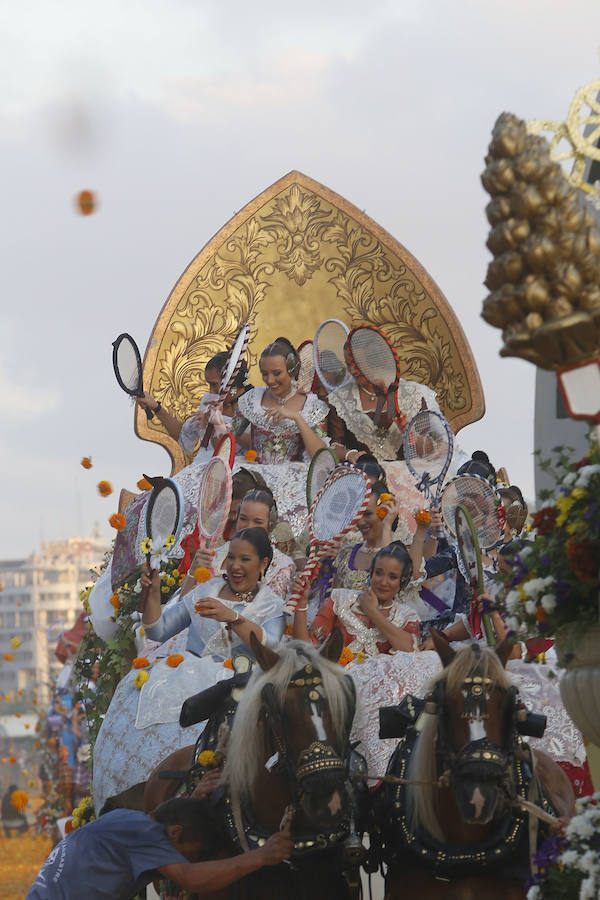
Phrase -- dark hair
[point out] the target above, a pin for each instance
(244, 481)
(517, 511)
(368, 464)
(397, 550)
(259, 539)
(282, 347)
(218, 361)
(479, 464)
(378, 488)
(264, 496)
(196, 818)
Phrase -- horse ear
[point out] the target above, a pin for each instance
(443, 648)
(265, 657)
(333, 646)
(503, 651)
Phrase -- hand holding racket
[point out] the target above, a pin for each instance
(470, 552)
(428, 446)
(127, 365)
(374, 364)
(336, 509)
(164, 519)
(230, 370)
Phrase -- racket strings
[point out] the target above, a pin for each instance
(373, 358)
(329, 354)
(307, 369)
(163, 515)
(481, 501)
(128, 366)
(213, 499)
(322, 466)
(338, 505)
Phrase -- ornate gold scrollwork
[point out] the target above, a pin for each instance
(295, 255)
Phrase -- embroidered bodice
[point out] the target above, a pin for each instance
(360, 636)
(384, 443)
(281, 441)
(206, 637)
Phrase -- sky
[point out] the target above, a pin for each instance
(177, 114)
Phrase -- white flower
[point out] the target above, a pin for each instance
(532, 587)
(570, 478)
(530, 607)
(584, 475)
(534, 893)
(569, 858)
(513, 601)
(588, 862)
(579, 827)
(137, 587)
(158, 553)
(525, 552)
(587, 891)
(512, 623)
(549, 603)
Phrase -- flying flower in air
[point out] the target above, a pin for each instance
(86, 462)
(118, 521)
(144, 484)
(15, 642)
(19, 800)
(104, 488)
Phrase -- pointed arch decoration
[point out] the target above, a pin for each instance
(295, 255)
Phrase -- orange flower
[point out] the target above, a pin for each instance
(12, 760)
(18, 715)
(104, 488)
(251, 455)
(540, 614)
(140, 662)
(68, 826)
(144, 484)
(20, 693)
(86, 462)
(86, 202)
(423, 517)
(228, 664)
(52, 742)
(381, 512)
(118, 521)
(346, 657)
(174, 660)
(202, 574)
(114, 601)
(19, 800)
(37, 744)
(27, 725)
(385, 498)
(8, 656)
(5, 759)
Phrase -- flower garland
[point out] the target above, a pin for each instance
(553, 583)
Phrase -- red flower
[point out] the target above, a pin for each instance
(581, 559)
(544, 521)
(582, 462)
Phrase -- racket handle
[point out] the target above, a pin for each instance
(149, 413)
(308, 571)
(207, 434)
(488, 629)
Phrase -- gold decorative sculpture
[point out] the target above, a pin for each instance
(295, 255)
(545, 277)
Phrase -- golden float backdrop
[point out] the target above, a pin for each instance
(294, 256)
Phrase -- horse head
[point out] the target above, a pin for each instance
(290, 734)
(475, 707)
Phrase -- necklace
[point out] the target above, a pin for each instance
(283, 400)
(241, 596)
(370, 550)
(389, 606)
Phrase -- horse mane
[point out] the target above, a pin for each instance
(245, 748)
(423, 763)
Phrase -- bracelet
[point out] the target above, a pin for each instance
(158, 407)
(301, 608)
(236, 620)
(346, 456)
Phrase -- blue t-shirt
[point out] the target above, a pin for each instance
(111, 857)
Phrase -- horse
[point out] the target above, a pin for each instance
(287, 765)
(456, 830)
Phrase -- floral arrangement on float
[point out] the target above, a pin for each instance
(553, 584)
(569, 867)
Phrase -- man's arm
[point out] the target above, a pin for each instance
(205, 877)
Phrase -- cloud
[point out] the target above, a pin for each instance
(22, 401)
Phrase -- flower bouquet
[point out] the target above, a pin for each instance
(568, 868)
(553, 583)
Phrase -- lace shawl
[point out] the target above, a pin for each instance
(346, 608)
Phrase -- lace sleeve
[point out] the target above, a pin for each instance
(282, 581)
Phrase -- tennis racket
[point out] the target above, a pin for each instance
(335, 510)
(307, 367)
(225, 448)
(214, 500)
(127, 365)
(428, 445)
(164, 517)
(230, 370)
(468, 547)
(374, 364)
(321, 466)
(328, 353)
(482, 502)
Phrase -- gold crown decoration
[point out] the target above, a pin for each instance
(545, 275)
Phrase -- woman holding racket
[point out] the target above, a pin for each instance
(284, 423)
(257, 509)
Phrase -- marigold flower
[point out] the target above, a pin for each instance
(201, 574)
(19, 800)
(52, 742)
(114, 601)
(251, 455)
(140, 662)
(16, 643)
(27, 725)
(423, 517)
(37, 744)
(20, 693)
(381, 512)
(68, 826)
(8, 657)
(174, 660)
(12, 760)
(86, 462)
(86, 202)
(104, 488)
(140, 678)
(18, 715)
(207, 759)
(227, 663)
(144, 484)
(385, 498)
(118, 521)
(346, 657)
